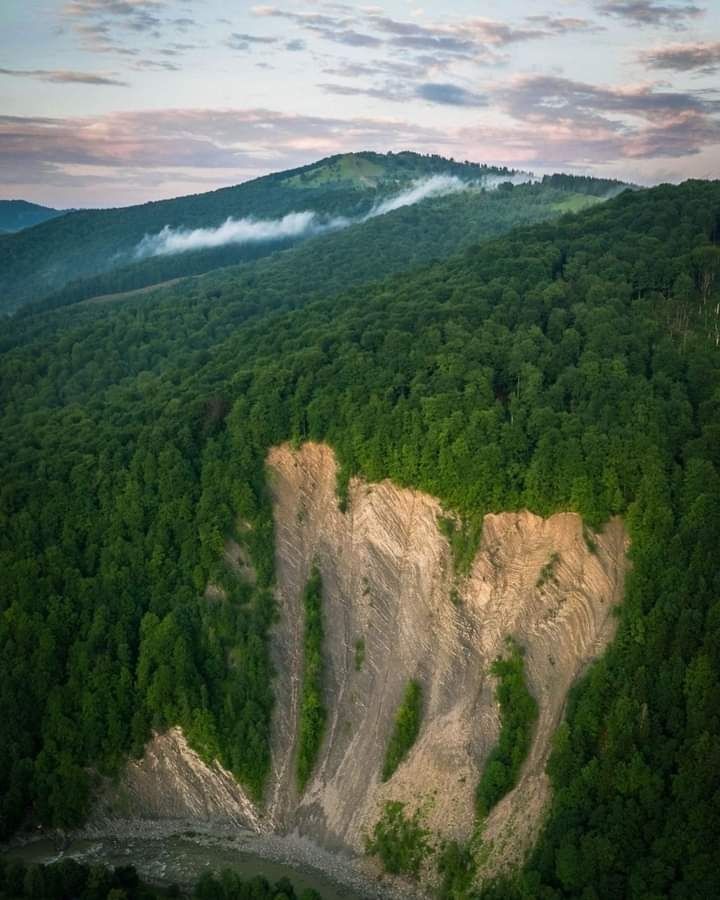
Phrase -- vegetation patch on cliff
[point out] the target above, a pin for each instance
(464, 539)
(518, 712)
(405, 729)
(400, 841)
(312, 708)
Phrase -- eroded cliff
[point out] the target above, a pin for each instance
(388, 581)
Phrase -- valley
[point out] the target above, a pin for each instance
(473, 492)
(388, 580)
(359, 450)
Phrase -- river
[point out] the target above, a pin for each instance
(182, 858)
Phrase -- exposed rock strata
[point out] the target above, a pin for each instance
(388, 580)
(171, 782)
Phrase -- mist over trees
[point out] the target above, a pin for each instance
(87, 243)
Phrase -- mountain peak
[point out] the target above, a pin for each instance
(368, 169)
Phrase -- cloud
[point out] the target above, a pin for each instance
(138, 15)
(478, 31)
(351, 69)
(328, 27)
(238, 41)
(64, 76)
(424, 189)
(462, 37)
(418, 55)
(560, 25)
(703, 58)
(243, 141)
(650, 12)
(395, 68)
(305, 19)
(176, 49)
(232, 231)
(473, 39)
(349, 37)
(97, 37)
(94, 21)
(293, 225)
(546, 122)
(567, 121)
(394, 92)
(155, 65)
(554, 99)
(404, 91)
(450, 95)
(102, 24)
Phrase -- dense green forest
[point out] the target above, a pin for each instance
(88, 242)
(231, 886)
(567, 365)
(400, 841)
(68, 879)
(431, 230)
(18, 214)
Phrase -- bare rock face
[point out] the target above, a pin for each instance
(388, 581)
(171, 782)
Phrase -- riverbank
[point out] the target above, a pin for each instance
(174, 852)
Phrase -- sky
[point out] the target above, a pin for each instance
(114, 102)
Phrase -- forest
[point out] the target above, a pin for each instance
(84, 243)
(434, 229)
(567, 365)
(18, 214)
(68, 879)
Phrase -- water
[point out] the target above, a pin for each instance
(182, 858)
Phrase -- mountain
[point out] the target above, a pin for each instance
(459, 519)
(15, 215)
(138, 246)
(411, 235)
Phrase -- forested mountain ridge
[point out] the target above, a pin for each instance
(412, 235)
(89, 242)
(18, 214)
(568, 365)
(92, 241)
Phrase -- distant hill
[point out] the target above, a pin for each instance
(409, 236)
(18, 214)
(344, 188)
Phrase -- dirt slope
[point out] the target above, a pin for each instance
(171, 782)
(388, 580)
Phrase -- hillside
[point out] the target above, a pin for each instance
(566, 367)
(87, 242)
(18, 214)
(393, 242)
(136, 246)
